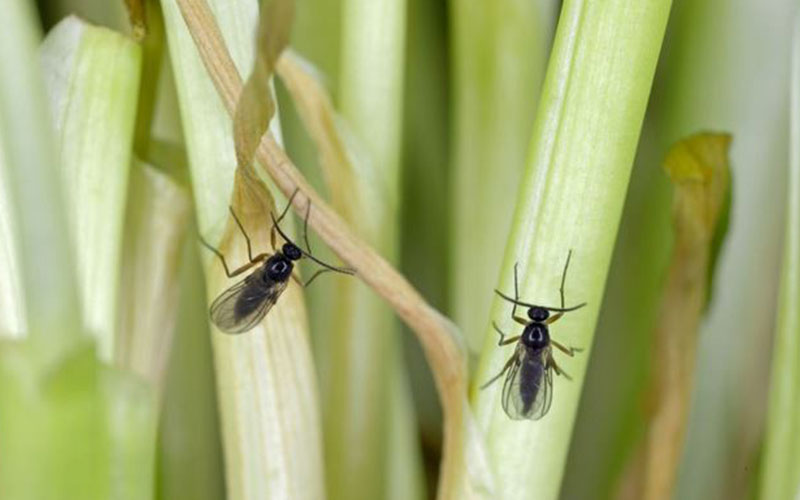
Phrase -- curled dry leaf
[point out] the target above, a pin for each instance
(319, 117)
(439, 338)
(699, 169)
(255, 107)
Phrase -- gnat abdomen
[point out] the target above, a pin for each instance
(252, 297)
(531, 376)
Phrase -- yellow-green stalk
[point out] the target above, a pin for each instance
(584, 139)
(265, 379)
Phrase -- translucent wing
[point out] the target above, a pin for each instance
(242, 306)
(528, 388)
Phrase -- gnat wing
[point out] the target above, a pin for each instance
(243, 306)
(528, 388)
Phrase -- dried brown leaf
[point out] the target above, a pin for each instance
(319, 117)
(439, 339)
(699, 169)
(255, 107)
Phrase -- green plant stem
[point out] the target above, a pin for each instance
(52, 311)
(571, 197)
(12, 318)
(190, 452)
(155, 229)
(365, 355)
(265, 378)
(93, 82)
(501, 50)
(781, 460)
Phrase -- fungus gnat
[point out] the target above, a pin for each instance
(528, 387)
(242, 306)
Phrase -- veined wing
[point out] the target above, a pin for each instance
(528, 387)
(243, 306)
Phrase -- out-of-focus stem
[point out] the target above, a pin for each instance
(698, 167)
(34, 183)
(157, 215)
(780, 476)
(500, 53)
(92, 77)
(365, 353)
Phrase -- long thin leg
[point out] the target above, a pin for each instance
(246, 238)
(558, 370)
(518, 319)
(313, 276)
(556, 317)
(569, 351)
(564, 278)
(288, 204)
(503, 340)
(228, 272)
(305, 227)
(502, 372)
(516, 290)
(281, 216)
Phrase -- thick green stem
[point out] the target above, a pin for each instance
(571, 197)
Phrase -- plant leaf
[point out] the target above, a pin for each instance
(698, 167)
(256, 105)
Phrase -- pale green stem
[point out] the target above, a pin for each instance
(265, 378)
(157, 215)
(571, 197)
(86, 429)
(92, 77)
(364, 419)
(501, 50)
(780, 476)
(425, 208)
(34, 185)
(190, 462)
(12, 317)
